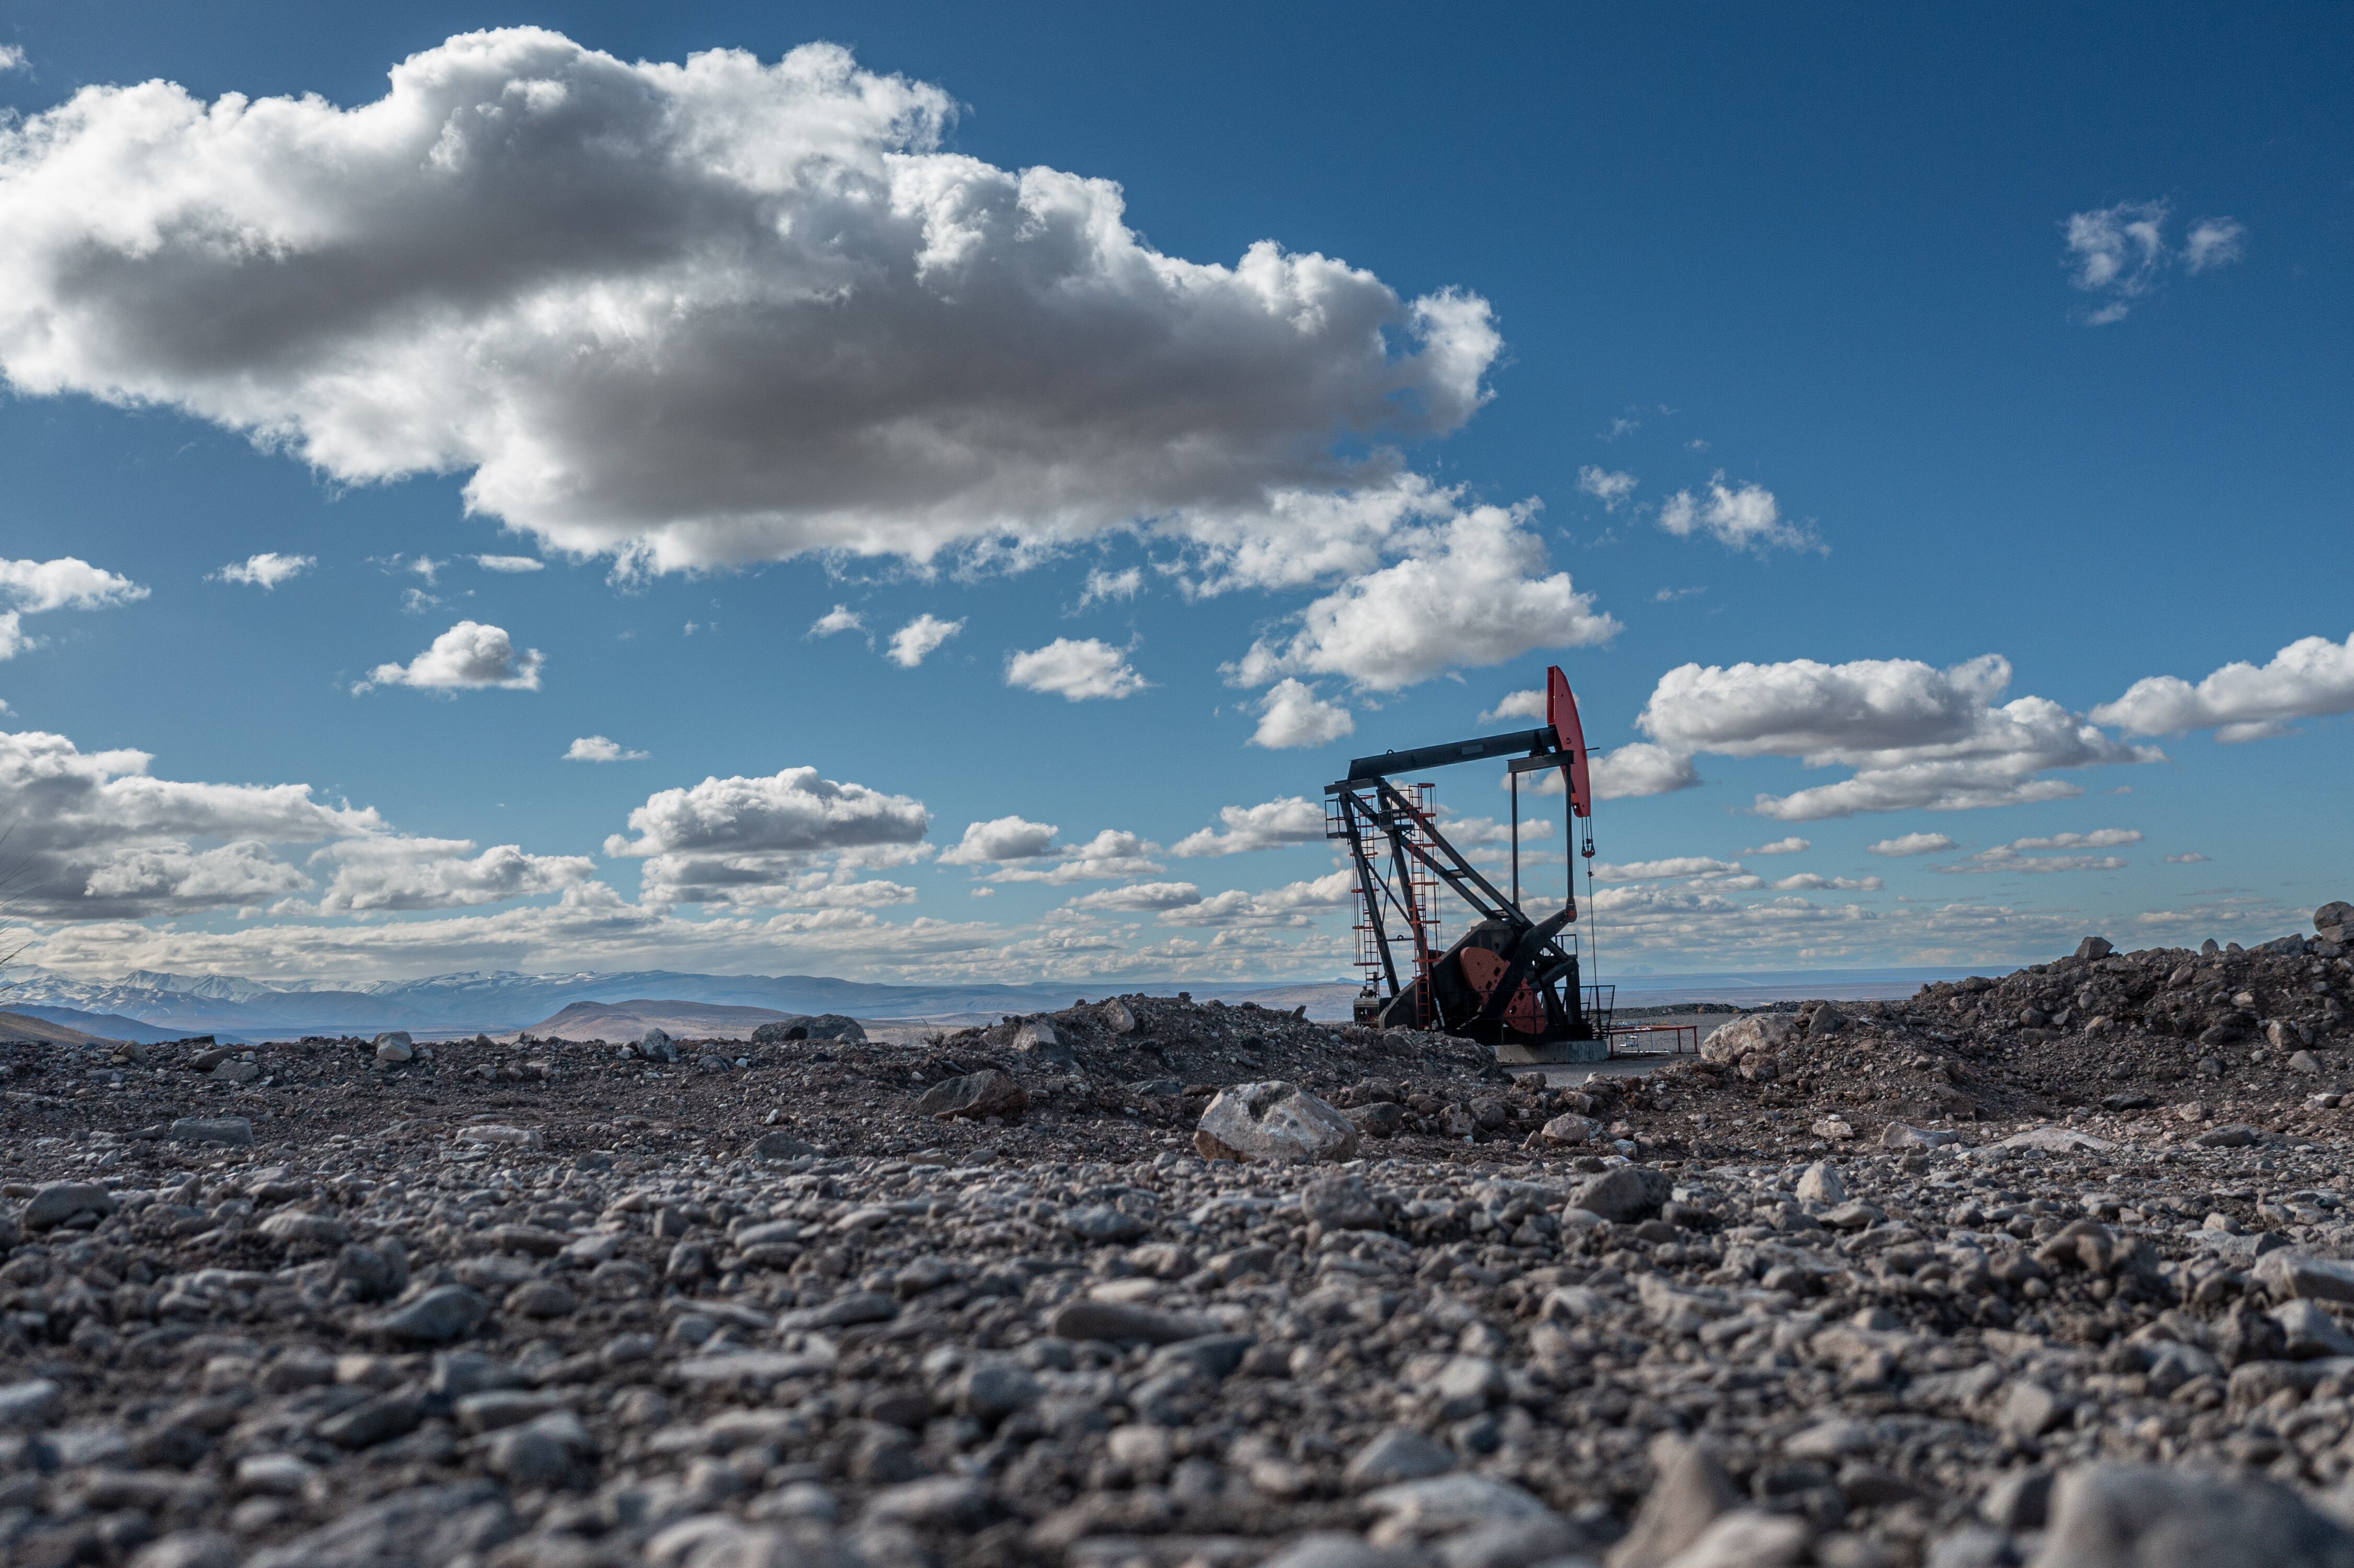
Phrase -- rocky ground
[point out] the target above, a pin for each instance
(2048, 1268)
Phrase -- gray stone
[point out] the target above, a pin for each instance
(986, 1092)
(442, 1313)
(1822, 1183)
(1085, 1319)
(301, 1228)
(2309, 1331)
(991, 1388)
(2142, 1516)
(1329, 1548)
(27, 1404)
(2237, 1135)
(233, 1131)
(187, 1549)
(426, 1525)
(1756, 1032)
(1341, 1203)
(378, 1421)
(780, 1032)
(2030, 1410)
(57, 1201)
(1568, 1129)
(1897, 1135)
(548, 1451)
(2093, 947)
(656, 1046)
(1747, 1538)
(1690, 1494)
(395, 1046)
(781, 1146)
(938, 1503)
(2294, 1275)
(2021, 1500)
(1102, 1223)
(1625, 1194)
(1273, 1121)
(1512, 1543)
(1396, 1453)
(1444, 1505)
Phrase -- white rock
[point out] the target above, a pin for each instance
(1757, 1031)
(1273, 1120)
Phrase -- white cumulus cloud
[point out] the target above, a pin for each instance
(1102, 585)
(1916, 737)
(2311, 678)
(1781, 847)
(1640, 769)
(1905, 844)
(1000, 838)
(1808, 882)
(30, 588)
(1292, 715)
(1610, 489)
(791, 838)
(266, 570)
(1271, 824)
(919, 637)
(1075, 669)
(1746, 518)
(510, 564)
(599, 748)
(470, 656)
(1139, 897)
(692, 314)
(1111, 856)
(1527, 704)
(841, 617)
(1466, 597)
(397, 872)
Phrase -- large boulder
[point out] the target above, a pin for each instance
(986, 1092)
(780, 1032)
(1756, 1032)
(834, 1026)
(2334, 921)
(2141, 1516)
(1273, 1120)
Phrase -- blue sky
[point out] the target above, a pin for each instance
(1769, 371)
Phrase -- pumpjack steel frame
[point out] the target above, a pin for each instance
(1512, 982)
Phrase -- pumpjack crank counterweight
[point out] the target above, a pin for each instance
(1511, 981)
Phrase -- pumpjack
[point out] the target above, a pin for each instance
(1510, 981)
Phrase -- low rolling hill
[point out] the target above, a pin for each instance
(619, 1021)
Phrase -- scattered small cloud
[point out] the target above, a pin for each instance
(1074, 669)
(913, 643)
(1910, 844)
(470, 656)
(598, 749)
(2213, 242)
(2192, 858)
(1808, 882)
(841, 617)
(1292, 715)
(1620, 427)
(1610, 489)
(12, 57)
(31, 588)
(1529, 704)
(1102, 585)
(266, 570)
(1142, 897)
(1781, 847)
(2120, 253)
(425, 566)
(1670, 596)
(2017, 856)
(1746, 517)
(510, 563)
(417, 601)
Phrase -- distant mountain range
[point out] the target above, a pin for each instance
(167, 1006)
(147, 1006)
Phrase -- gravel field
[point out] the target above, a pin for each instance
(2050, 1268)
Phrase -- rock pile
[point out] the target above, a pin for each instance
(983, 1302)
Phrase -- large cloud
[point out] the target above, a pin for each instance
(90, 835)
(788, 839)
(1002, 839)
(1916, 737)
(692, 314)
(386, 873)
(2310, 678)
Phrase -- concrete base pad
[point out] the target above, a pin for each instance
(1551, 1053)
